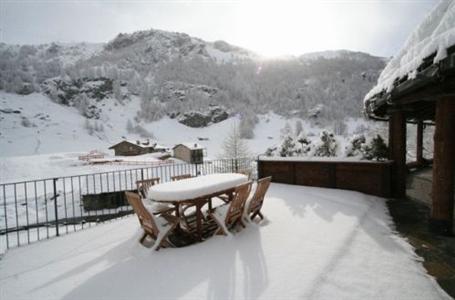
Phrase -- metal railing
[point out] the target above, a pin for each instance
(40, 209)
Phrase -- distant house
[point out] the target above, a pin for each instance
(190, 152)
(129, 148)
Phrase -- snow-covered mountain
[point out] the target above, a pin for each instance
(156, 74)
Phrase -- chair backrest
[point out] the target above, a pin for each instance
(237, 205)
(258, 197)
(145, 217)
(180, 177)
(144, 185)
(246, 172)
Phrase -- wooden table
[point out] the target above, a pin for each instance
(196, 191)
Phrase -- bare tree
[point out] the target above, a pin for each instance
(234, 146)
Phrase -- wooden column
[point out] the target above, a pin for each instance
(419, 143)
(441, 220)
(397, 153)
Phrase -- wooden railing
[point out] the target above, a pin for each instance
(367, 177)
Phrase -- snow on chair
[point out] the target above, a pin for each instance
(229, 215)
(158, 228)
(255, 204)
(156, 208)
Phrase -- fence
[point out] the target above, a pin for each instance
(364, 176)
(40, 209)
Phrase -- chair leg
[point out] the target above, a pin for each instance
(164, 242)
(260, 215)
(220, 230)
(141, 240)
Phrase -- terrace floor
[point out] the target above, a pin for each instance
(315, 244)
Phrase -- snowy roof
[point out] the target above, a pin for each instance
(191, 146)
(432, 37)
(142, 144)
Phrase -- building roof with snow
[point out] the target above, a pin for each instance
(426, 59)
(191, 146)
(139, 143)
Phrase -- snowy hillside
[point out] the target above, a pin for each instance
(174, 73)
(39, 137)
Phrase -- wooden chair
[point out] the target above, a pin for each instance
(144, 185)
(231, 214)
(180, 177)
(157, 208)
(247, 173)
(256, 202)
(158, 228)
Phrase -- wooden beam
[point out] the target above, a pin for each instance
(397, 153)
(419, 142)
(441, 220)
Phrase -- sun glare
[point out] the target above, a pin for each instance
(275, 28)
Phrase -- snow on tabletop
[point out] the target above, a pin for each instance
(195, 187)
(314, 244)
(434, 35)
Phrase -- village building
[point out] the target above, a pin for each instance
(418, 86)
(192, 153)
(130, 148)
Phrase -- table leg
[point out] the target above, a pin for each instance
(199, 205)
(177, 214)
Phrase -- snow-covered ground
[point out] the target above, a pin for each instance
(314, 244)
(40, 138)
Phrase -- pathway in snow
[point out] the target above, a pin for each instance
(315, 244)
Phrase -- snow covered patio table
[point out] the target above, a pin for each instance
(315, 244)
(196, 191)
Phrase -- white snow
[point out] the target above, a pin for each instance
(434, 35)
(314, 244)
(195, 187)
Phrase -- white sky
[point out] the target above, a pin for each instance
(270, 28)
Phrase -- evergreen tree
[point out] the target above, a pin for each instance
(376, 149)
(304, 142)
(328, 145)
(287, 148)
(354, 148)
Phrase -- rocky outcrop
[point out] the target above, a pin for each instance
(67, 91)
(198, 119)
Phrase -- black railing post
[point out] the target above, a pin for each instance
(55, 206)
(197, 171)
(142, 174)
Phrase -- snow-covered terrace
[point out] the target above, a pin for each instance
(314, 244)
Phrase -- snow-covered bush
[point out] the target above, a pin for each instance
(287, 148)
(376, 149)
(354, 148)
(327, 146)
(270, 151)
(305, 143)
